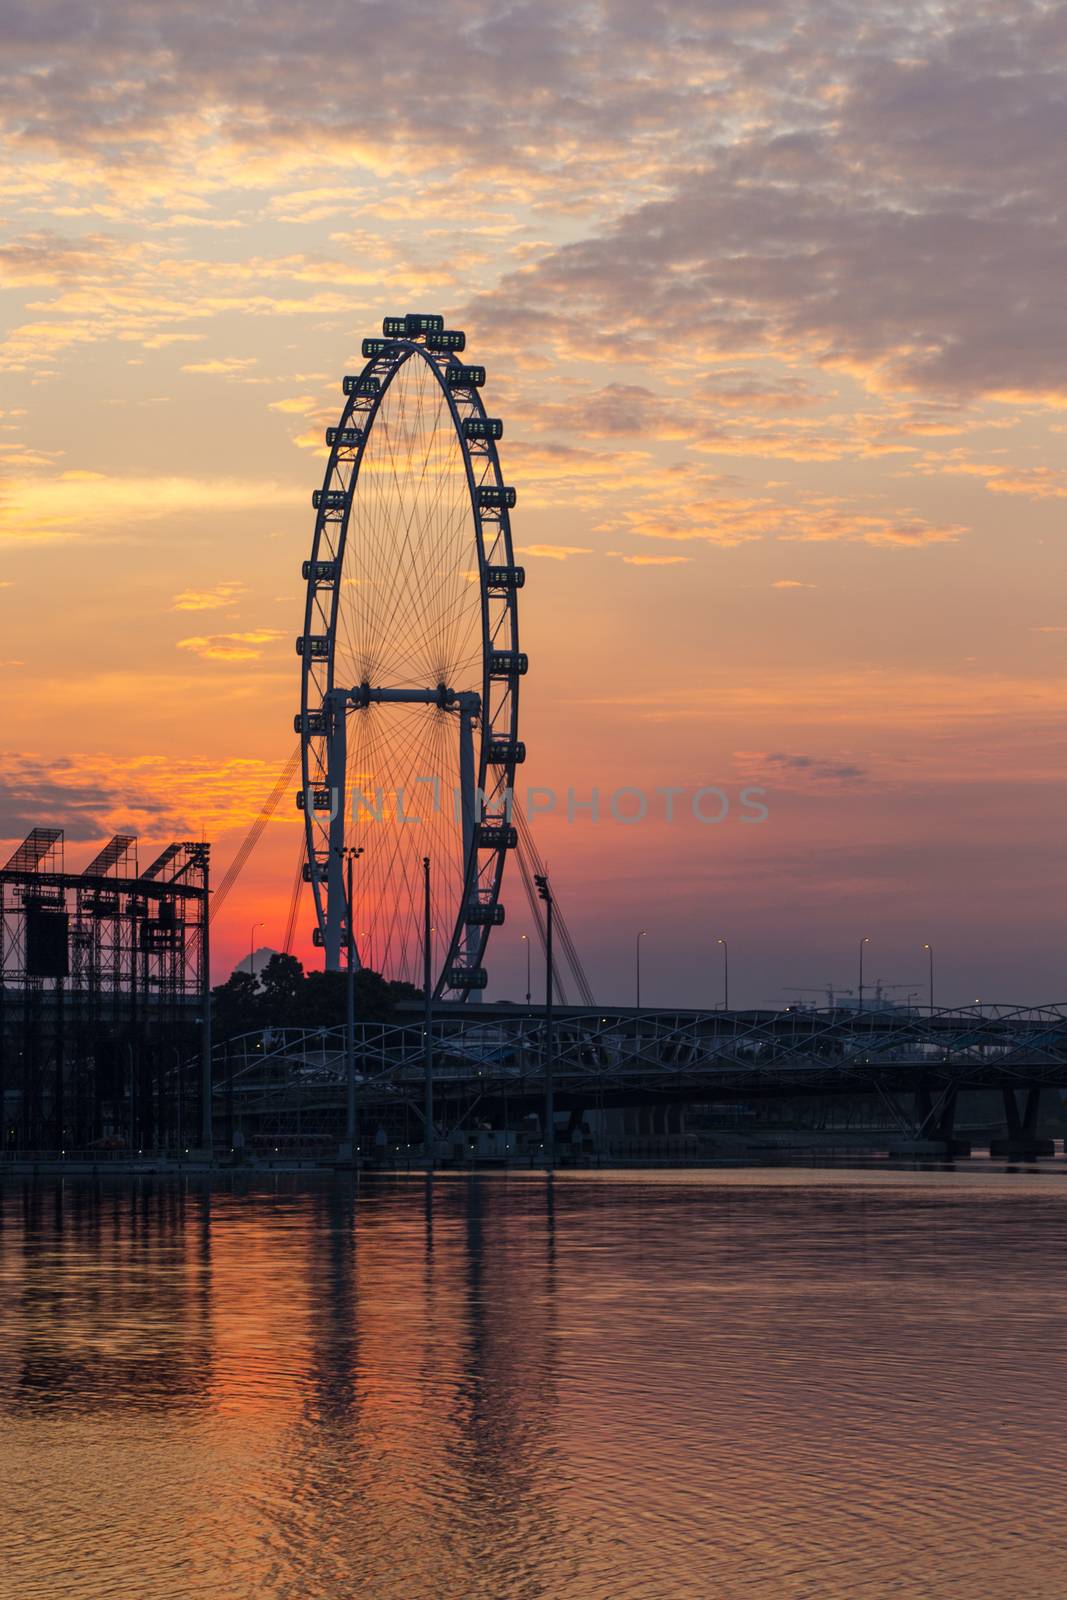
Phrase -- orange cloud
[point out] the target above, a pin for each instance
(231, 646)
(553, 552)
(225, 367)
(223, 594)
(655, 561)
(79, 504)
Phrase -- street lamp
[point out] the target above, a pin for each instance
(348, 854)
(725, 973)
(526, 941)
(862, 943)
(930, 952)
(545, 893)
(251, 949)
(637, 969)
(429, 1132)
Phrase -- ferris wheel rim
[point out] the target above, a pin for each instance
(499, 720)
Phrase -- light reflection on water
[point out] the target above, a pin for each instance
(780, 1383)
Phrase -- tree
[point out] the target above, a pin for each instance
(285, 996)
(281, 984)
(323, 1000)
(236, 1008)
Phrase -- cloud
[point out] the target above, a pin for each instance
(298, 405)
(553, 552)
(226, 367)
(137, 292)
(711, 510)
(782, 772)
(222, 595)
(96, 794)
(812, 767)
(888, 207)
(231, 646)
(655, 561)
(553, 472)
(1036, 483)
(616, 410)
(80, 504)
(958, 725)
(877, 192)
(791, 583)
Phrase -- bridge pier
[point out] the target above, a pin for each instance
(935, 1129)
(649, 1127)
(1022, 1141)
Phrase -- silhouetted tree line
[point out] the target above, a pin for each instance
(283, 995)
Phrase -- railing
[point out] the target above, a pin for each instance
(94, 1157)
(702, 1053)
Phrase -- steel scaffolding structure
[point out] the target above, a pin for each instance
(103, 975)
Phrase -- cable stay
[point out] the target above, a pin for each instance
(294, 899)
(526, 869)
(252, 837)
(530, 863)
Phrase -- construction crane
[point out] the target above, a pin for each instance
(828, 990)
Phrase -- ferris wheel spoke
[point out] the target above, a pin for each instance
(406, 506)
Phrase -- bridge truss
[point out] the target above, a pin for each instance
(490, 1058)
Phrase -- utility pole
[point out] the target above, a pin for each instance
(930, 952)
(207, 1132)
(862, 943)
(545, 893)
(725, 973)
(348, 854)
(427, 979)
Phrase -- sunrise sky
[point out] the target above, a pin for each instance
(770, 295)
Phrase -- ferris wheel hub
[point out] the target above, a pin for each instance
(365, 694)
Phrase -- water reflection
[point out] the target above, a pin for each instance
(744, 1384)
(110, 1294)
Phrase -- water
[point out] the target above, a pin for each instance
(609, 1387)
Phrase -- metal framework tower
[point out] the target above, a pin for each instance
(103, 981)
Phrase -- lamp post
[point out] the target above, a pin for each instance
(637, 969)
(251, 948)
(862, 943)
(725, 973)
(526, 941)
(349, 854)
(545, 893)
(427, 981)
(930, 952)
(207, 1127)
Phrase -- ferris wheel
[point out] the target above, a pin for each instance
(410, 665)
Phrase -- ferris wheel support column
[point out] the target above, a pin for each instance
(468, 800)
(336, 759)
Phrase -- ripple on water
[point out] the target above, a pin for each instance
(739, 1384)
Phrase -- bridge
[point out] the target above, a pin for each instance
(495, 1062)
